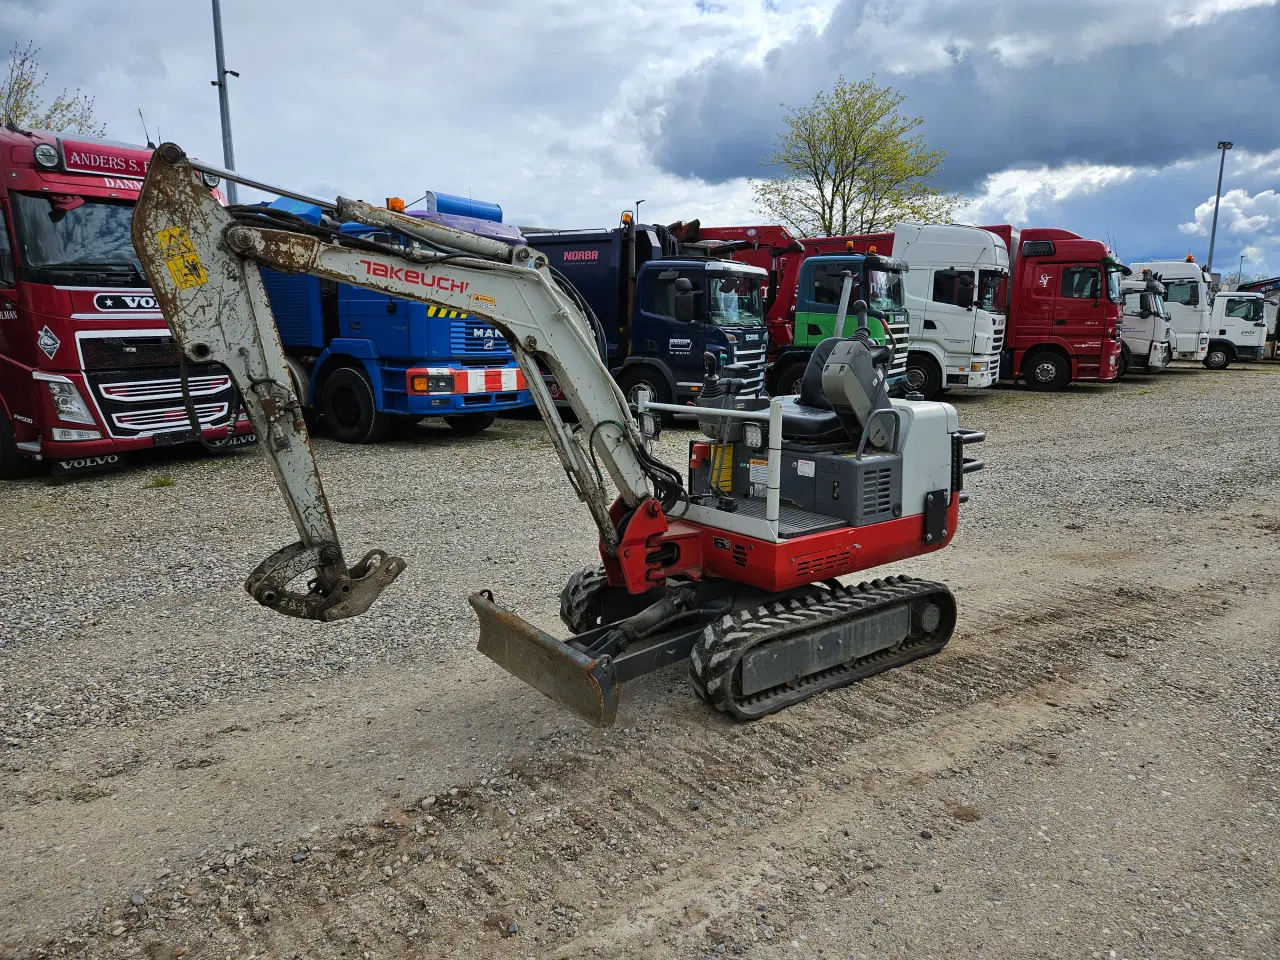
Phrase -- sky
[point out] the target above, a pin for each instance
(1096, 116)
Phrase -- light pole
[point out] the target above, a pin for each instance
(1240, 273)
(1224, 146)
(224, 105)
(638, 202)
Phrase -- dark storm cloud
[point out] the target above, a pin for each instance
(1148, 98)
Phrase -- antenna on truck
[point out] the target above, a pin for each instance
(150, 144)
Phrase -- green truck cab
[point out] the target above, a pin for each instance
(877, 280)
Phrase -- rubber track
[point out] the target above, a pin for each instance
(713, 663)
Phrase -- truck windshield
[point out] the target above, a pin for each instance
(992, 285)
(1113, 286)
(1250, 309)
(884, 290)
(735, 301)
(57, 232)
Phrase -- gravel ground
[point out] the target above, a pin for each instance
(1089, 769)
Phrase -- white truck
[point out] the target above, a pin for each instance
(1145, 328)
(955, 294)
(1187, 301)
(1238, 330)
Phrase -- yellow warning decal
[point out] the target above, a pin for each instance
(181, 258)
(481, 298)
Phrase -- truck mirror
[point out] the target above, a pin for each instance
(964, 294)
(1144, 313)
(1094, 288)
(686, 305)
(684, 285)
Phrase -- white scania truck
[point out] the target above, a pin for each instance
(1187, 300)
(955, 294)
(1238, 330)
(1145, 328)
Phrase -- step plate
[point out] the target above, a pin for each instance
(587, 687)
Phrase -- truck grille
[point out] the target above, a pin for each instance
(122, 353)
(901, 330)
(997, 339)
(754, 358)
(470, 337)
(138, 404)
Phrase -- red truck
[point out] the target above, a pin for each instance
(1064, 308)
(88, 370)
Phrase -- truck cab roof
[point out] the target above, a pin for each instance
(955, 244)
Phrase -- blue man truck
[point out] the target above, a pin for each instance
(362, 360)
(662, 305)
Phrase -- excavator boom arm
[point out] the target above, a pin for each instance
(203, 266)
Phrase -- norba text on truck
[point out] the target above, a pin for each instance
(1238, 328)
(1064, 304)
(662, 305)
(364, 360)
(88, 369)
(803, 296)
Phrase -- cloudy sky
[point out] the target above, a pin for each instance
(1093, 115)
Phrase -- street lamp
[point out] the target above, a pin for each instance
(1224, 146)
(224, 105)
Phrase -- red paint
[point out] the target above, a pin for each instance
(432, 281)
(580, 255)
(651, 549)
(107, 159)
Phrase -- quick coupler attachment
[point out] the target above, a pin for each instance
(347, 594)
(583, 684)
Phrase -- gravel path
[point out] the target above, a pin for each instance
(1093, 758)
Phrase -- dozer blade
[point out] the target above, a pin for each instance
(572, 679)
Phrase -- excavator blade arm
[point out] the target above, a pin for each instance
(218, 312)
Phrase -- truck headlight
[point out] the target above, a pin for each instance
(46, 155)
(978, 366)
(68, 403)
(425, 381)
(211, 180)
(753, 435)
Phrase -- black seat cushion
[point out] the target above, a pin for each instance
(811, 394)
(810, 424)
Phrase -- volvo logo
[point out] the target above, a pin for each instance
(117, 302)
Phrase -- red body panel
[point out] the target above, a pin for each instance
(651, 551)
(1040, 317)
(64, 317)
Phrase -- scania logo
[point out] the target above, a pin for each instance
(116, 302)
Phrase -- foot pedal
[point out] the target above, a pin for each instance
(586, 686)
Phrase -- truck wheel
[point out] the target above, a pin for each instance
(1218, 358)
(1046, 370)
(1124, 361)
(923, 375)
(469, 423)
(349, 408)
(631, 381)
(12, 463)
(789, 379)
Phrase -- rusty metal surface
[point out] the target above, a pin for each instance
(572, 679)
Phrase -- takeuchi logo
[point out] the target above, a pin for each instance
(432, 281)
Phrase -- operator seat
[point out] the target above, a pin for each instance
(809, 417)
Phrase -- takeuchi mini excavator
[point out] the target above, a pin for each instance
(734, 570)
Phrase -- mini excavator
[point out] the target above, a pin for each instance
(735, 570)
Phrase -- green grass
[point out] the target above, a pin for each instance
(164, 480)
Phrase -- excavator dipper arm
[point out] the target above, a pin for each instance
(203, 266)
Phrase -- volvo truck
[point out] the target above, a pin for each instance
(88, 369)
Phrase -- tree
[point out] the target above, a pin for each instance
(850, 163)
(22, 106)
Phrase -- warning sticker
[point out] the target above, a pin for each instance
(804, 468)
(759, 471)
(481, 299)
(181, 258)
